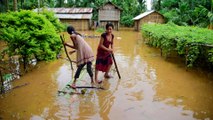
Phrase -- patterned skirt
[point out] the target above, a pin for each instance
(102, 63)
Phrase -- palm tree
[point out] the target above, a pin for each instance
(15, 8)
(7, 5)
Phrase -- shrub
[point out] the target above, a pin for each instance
(30, 35)
(193, 42)
(50, 15)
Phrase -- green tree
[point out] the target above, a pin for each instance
(185, 12)
(130, 9)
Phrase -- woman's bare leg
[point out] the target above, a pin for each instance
(96, 77)
(106, 75)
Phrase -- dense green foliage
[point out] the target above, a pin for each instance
(186, 12)
(130, 8)
(30, 35)
(181, 12)
(55, 21)
(193, 42)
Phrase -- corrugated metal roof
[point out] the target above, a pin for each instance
(74, 16)
(143, 15)
(69, 10)
(71, 13)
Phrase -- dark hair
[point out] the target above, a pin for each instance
(71, 30)
(109, 25)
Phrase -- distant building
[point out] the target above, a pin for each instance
(109, 13)
(147, 17)
(79, 18)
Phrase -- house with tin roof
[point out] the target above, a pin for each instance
(148, 17)
(79, 18)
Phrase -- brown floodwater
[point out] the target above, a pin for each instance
(151, 88)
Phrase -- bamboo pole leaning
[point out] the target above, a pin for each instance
(65, 49)
(116, 67)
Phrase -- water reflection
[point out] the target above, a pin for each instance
(151, 88)
(12, 69)
(138, 93)
(95, 104)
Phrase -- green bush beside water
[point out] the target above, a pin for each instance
(193, 42)
(30, 34)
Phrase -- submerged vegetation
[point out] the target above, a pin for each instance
(196, 44)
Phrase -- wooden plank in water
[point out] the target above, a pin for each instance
(88, 87)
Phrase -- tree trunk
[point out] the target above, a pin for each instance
(15, 8)
(211, 22)
(7, 5)
(60, 3)
(210, 26)
(39, 4)
(2, 83)
(25, 63)
(159, 4)
(21, 4)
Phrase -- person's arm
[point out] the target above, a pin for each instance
(71, 52)
(101, 45)
(69, 45)
(112, 46)
(72, 46)
(112, 42)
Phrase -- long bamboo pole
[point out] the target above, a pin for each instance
(62, 39)
(116, 67)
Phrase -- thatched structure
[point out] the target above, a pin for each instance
(147, 17)
(109, 13)
(80, 18)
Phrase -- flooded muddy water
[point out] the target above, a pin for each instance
(150, 88)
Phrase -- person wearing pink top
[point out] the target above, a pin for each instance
(84, 54)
